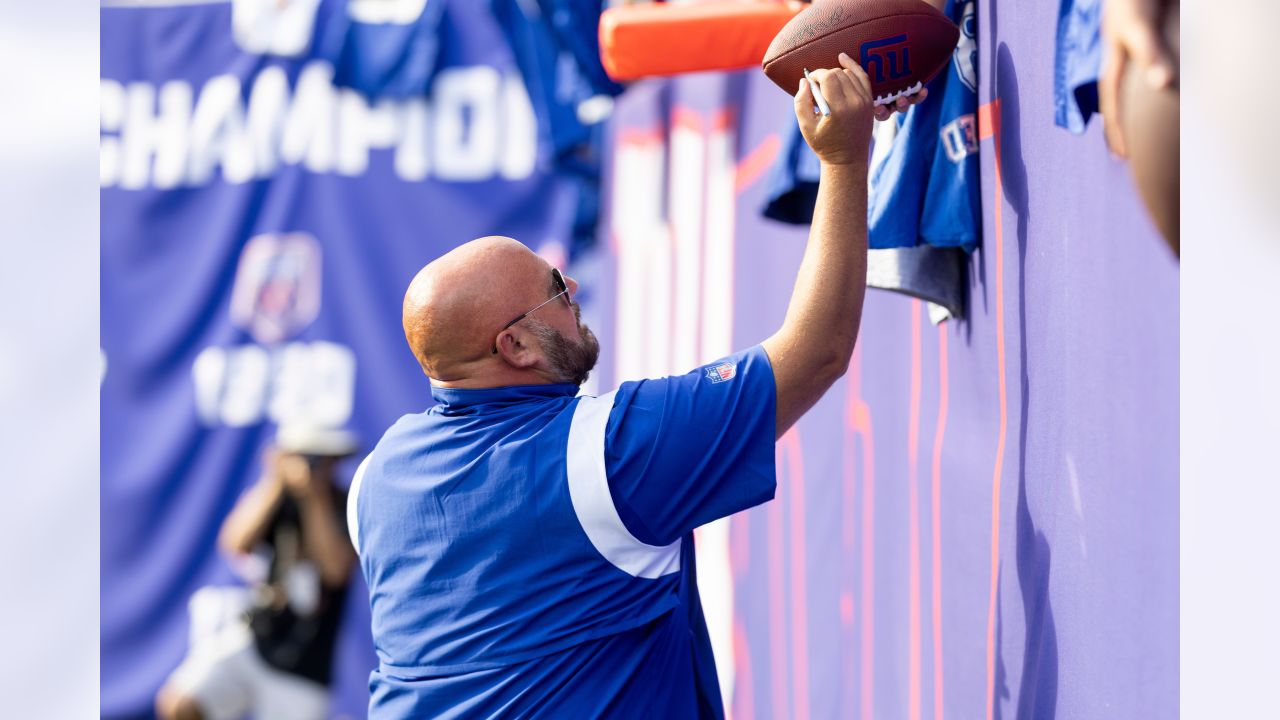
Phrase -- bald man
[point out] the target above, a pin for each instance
(529, 552)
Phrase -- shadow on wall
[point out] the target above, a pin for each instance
(1038, 694)
(1038, 687)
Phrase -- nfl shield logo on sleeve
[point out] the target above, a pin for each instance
(723, 372)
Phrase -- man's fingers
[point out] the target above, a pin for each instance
(822, 86)
(822, 78)
(1109, 99)
(840, 90)
(848, 82)
(859, 75)
(804, 98)
(804, 107)
(828, 81)
(902, 104)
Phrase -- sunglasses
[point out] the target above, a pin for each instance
(561, 289)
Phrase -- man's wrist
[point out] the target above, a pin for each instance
(858, 166)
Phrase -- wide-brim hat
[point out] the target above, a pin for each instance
(308, 439)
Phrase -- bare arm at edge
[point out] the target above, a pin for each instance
(813, 347)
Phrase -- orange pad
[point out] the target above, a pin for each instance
(638, 41)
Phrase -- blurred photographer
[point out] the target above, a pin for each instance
(268, 651)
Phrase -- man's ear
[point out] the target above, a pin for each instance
(518, 348)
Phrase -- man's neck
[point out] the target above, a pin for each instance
(500, 378)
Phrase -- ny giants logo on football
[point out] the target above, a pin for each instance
(723, 372)
(887, 59)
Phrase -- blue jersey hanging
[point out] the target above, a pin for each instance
(386, 48)
(924, 177)
(925, 185)
(1076, 62)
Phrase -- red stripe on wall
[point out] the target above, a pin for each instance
(913, 521)
(687, 118)
(849, 580)
(992, 129)
(936, 534)
(722, 119)
(868, 561)
(640, 136)
(858, 420)
(752, 167)
(988, 119)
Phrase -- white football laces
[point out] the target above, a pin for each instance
(886, 99)
(882, 100)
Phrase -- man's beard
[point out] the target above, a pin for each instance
(571, 362)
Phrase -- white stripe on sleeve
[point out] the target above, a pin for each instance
(589, 491)
(353, 504)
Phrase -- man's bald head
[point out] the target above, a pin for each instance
(457, 303)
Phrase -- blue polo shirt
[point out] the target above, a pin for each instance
(529, 553)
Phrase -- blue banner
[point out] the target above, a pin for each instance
(260, 223)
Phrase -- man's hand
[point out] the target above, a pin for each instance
(1131, 30)
(844, 136)
(295, 474)
(902, 104)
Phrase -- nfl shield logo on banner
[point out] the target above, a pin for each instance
(722, 372)
(277, 287)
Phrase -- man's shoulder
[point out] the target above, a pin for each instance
(706, 393)
(721, 370)
(405, 426)
(408, 423)
(442, 433)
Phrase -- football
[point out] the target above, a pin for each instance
(901, 44)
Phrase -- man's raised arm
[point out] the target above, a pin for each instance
(812, 348)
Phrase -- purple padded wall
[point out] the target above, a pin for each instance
(979, 520)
